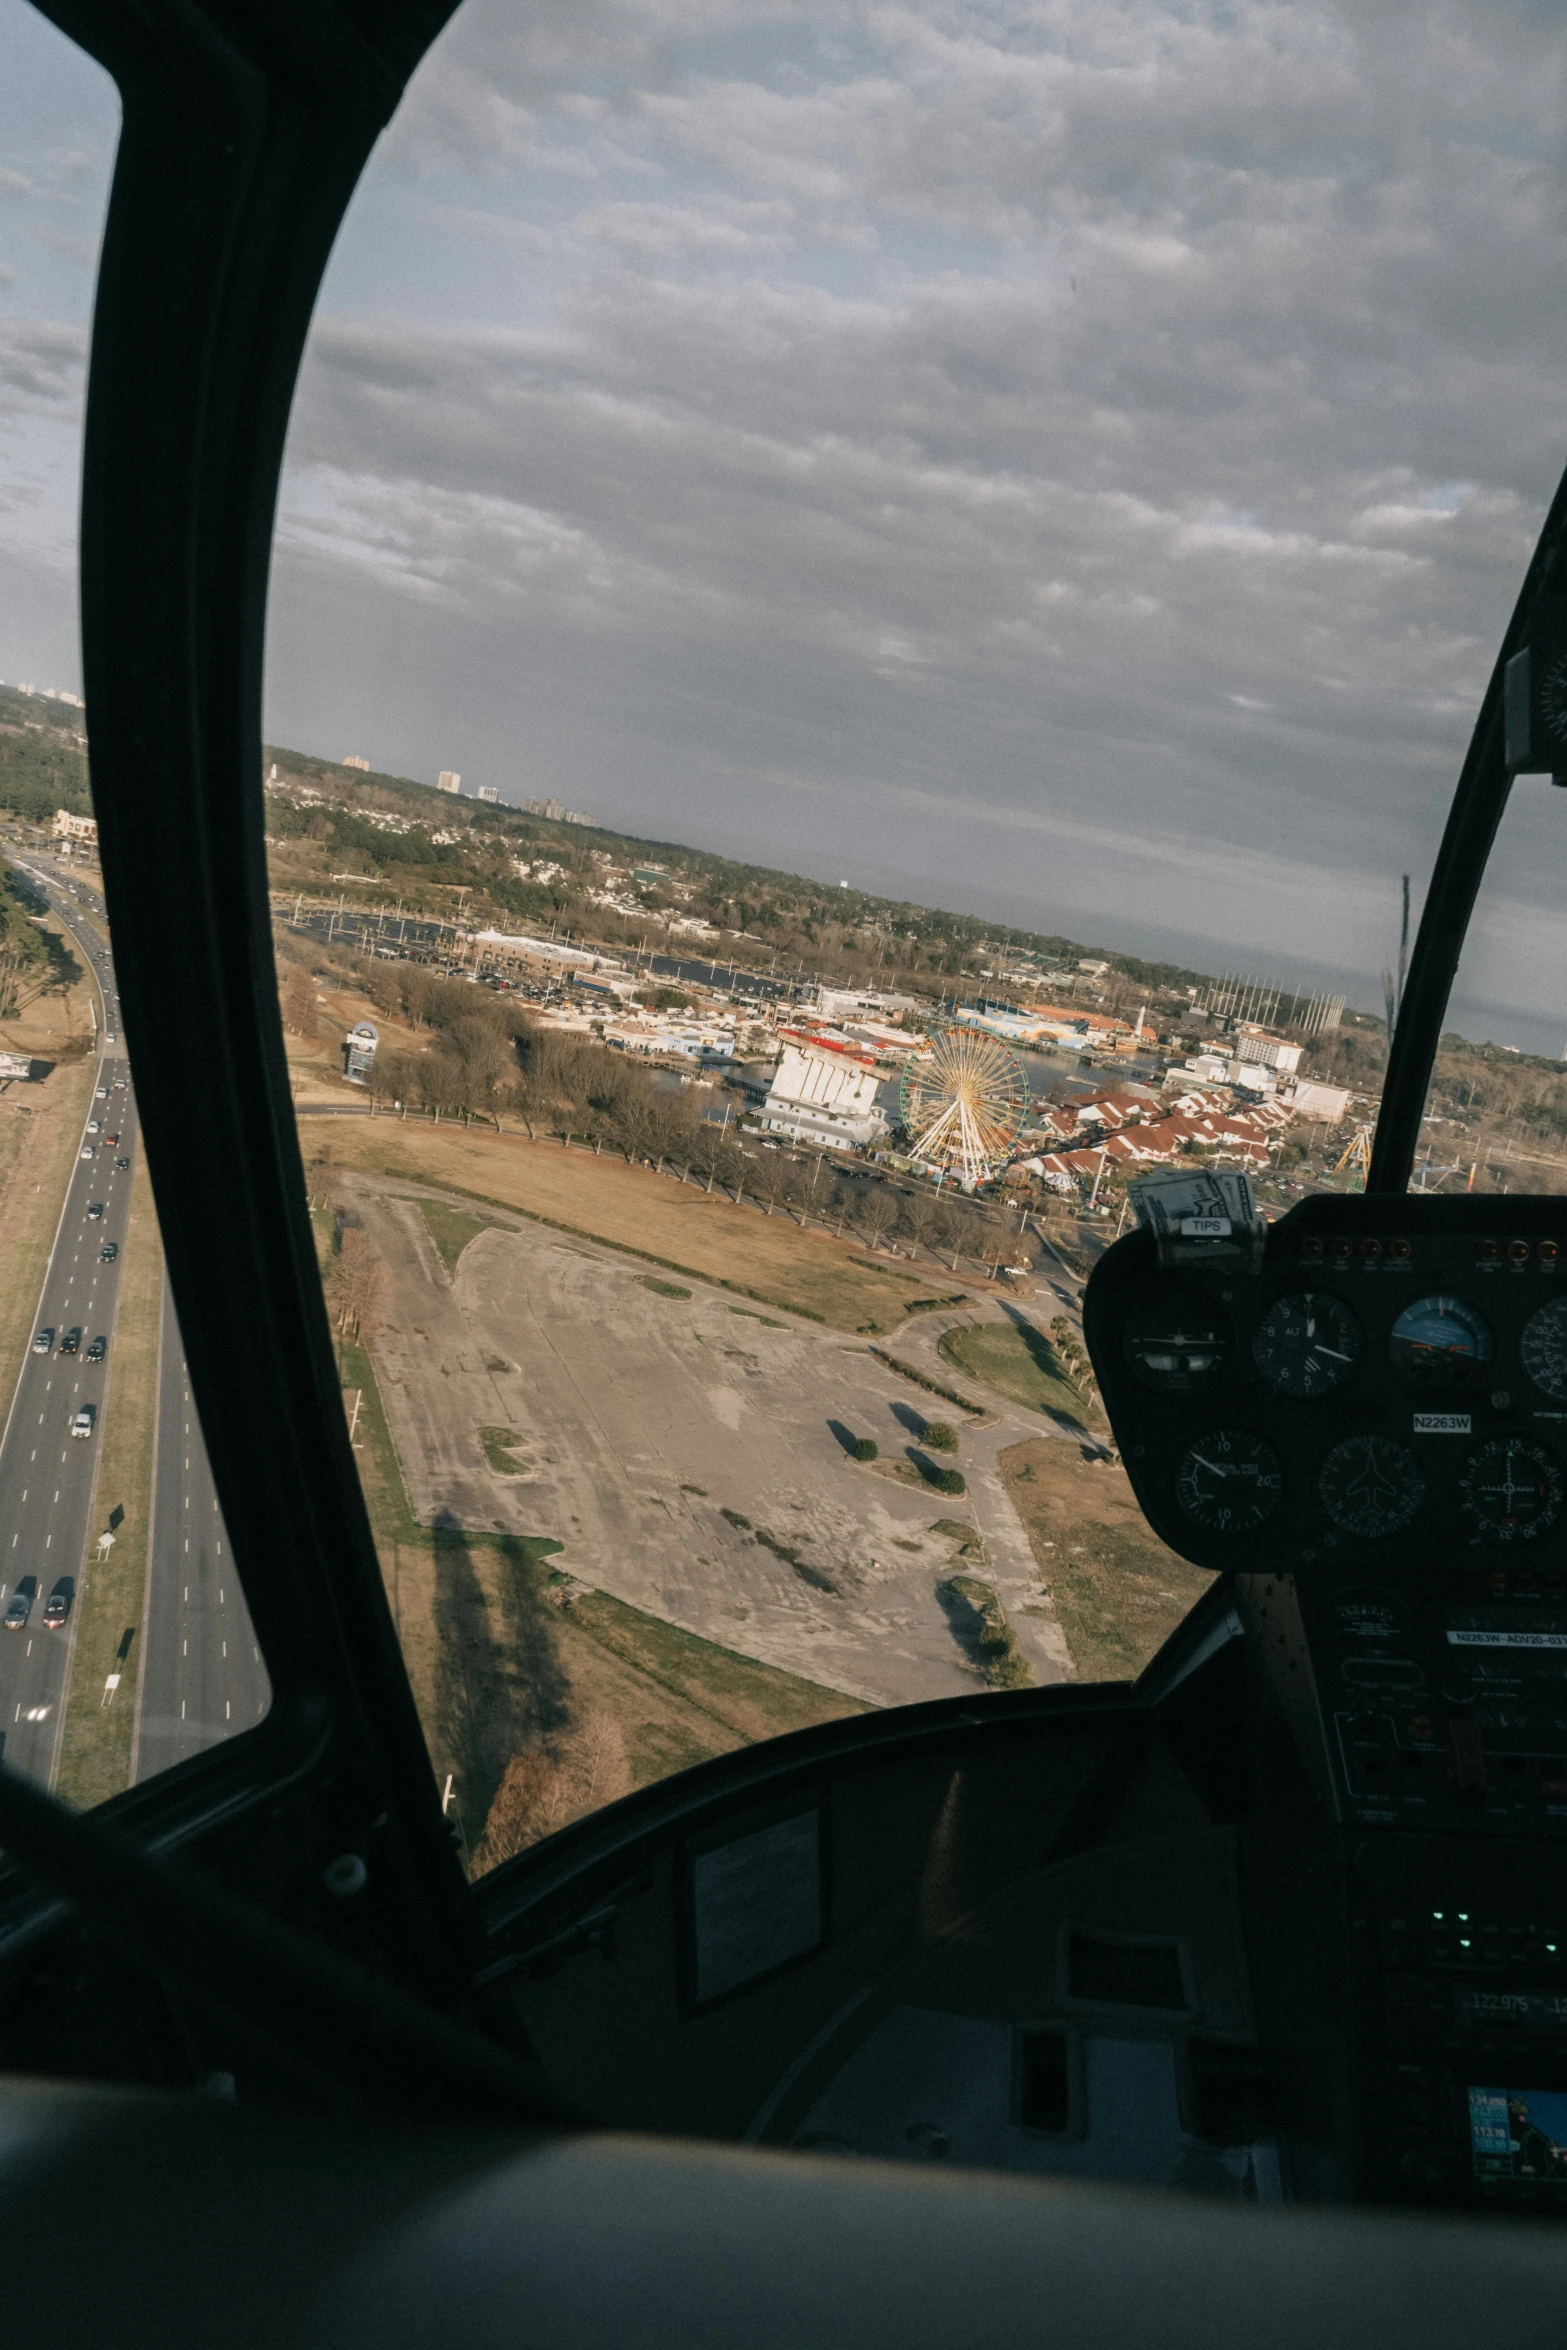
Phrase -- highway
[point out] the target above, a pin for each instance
(202, 1678)
(198, 1664)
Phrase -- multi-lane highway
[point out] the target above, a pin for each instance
(47, 1474)
(201, 1674)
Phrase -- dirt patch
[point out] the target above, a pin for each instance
(1119, 1593)
(678, 1226)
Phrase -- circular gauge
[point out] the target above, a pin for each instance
(1439, 1343)
(1307, 1343)
(1175, 1341)
(1510, 1490)
(1371, 1486)
(1229, 1482)
(1543, 1348)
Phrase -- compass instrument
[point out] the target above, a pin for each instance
(1510, 1491)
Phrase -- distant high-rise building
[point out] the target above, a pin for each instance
(448, 780)
(487, 791)
(362, 764)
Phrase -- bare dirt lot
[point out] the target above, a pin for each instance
(689, 1454)
(681, 1226)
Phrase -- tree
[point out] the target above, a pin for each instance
(298, 997)
(940, 1435)
(878, 1213)
(864, 1448)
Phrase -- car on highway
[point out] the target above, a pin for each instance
(58, 1604)
(102, 1094)
(97, 1350)
(43, 1344)
(71, 1343)
(82, 1424)
(94, 1210)
(20, 1605)
(111, 1142)
(122, 1164)
(109, 1251)
(95, 1125)
(85, 1151)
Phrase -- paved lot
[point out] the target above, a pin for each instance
(642, 1417)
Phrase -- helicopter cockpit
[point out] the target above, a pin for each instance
(1220, 2002)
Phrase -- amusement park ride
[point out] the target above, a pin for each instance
(963, 1105)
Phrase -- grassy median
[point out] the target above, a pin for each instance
(40, 1133)
(1019, 1362)
(95, 1755)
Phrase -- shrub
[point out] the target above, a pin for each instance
(950, 1481)
(864, 1448)
(940, 1435)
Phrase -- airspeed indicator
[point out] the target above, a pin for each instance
(1229, 1482)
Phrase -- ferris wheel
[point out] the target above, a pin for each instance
(963, 1104)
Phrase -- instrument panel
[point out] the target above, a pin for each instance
(1388, 1383)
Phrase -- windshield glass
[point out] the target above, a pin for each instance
(868, 614)
(127, 1643)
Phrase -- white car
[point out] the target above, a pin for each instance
(82, 1425)
(86, 1151)
(95, 1125)
(102, 1094)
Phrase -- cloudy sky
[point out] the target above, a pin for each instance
(1071, 460)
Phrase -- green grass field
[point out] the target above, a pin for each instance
(1017, 1361)
(451, 1229)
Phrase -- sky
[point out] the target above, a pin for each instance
(1071, 461)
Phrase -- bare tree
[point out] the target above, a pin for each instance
(298, 994)
(877, 1215)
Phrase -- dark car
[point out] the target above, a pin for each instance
(58, 1604)
(122, 1164)
(20, 1605)
(98, 1349)
(94, 1210)
(71, 1343)
(109, 1251)
(43, 1344)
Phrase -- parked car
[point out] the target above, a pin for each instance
(84, 1421)
(43, 1344)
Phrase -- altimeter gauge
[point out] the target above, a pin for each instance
(1510, 1490)
(1230, 1481)
(1308, 1343)
(1542, 1349)
(1371, 1486)
(1440, 1344)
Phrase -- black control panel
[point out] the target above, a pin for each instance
(1367, 1419)
(1386, 1385)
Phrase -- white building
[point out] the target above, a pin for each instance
(487, 791)
(1310, 1099)
(448, 780)
(77, 828)
(823, 1093)
(1256, 1044)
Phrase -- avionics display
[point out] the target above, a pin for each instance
(1519, 2134)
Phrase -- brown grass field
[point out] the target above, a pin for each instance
(1119, 1593)
(40, 1131)
(678, 1226)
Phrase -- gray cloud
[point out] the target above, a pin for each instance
(1105, 439)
